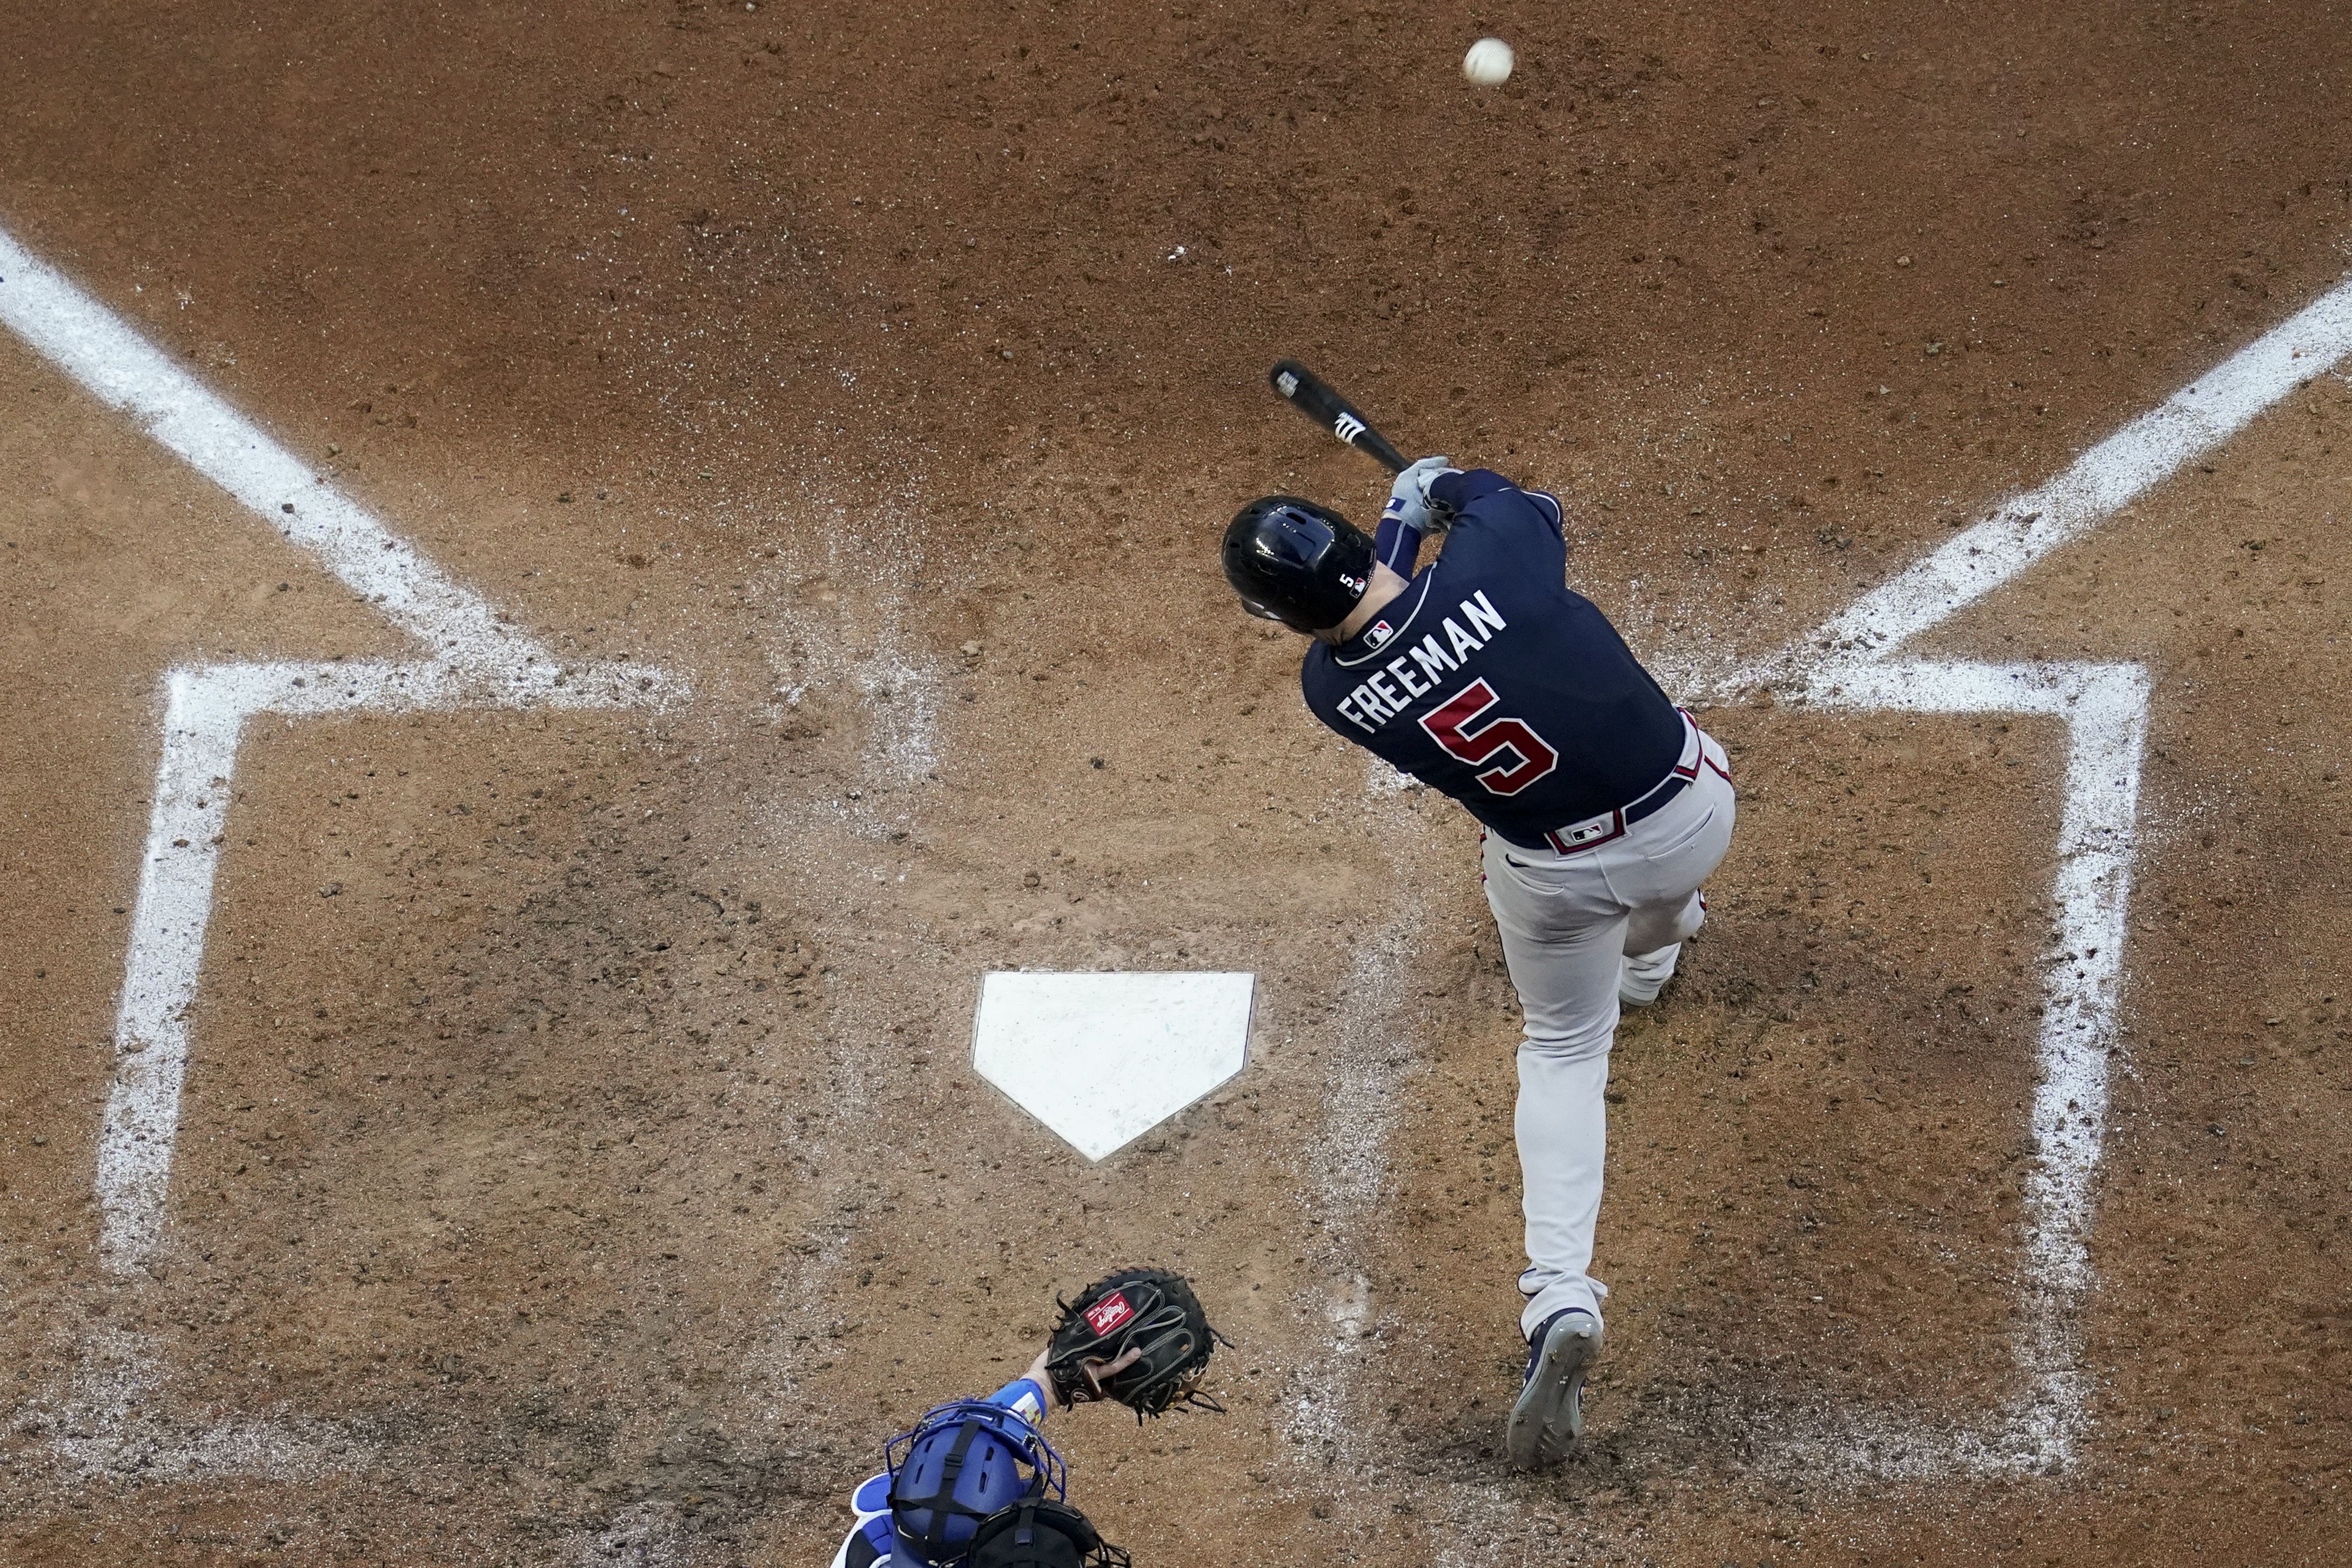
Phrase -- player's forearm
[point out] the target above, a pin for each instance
(1396, 544)
(1028, 1396)
(1031, 1394)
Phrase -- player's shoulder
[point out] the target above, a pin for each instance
(1397, 616)
(1462, 488)
(870, 1542)
(1321, 681)
(1482, 499)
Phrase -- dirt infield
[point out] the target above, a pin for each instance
(579, 1159)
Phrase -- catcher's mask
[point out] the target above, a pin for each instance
(1039, 1532)
(1295, 561)
(964, 1462)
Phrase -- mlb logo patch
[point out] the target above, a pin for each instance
(1109, 1313)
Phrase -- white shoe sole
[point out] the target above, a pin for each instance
(1549, 1417)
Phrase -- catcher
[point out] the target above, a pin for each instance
(1605, 807)
(974, 1483)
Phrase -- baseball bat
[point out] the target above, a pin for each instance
(1320, 401)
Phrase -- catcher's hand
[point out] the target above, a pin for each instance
(1139, 1337)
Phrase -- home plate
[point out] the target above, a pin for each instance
(1104, 1058)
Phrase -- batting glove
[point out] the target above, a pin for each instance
(1408, 496)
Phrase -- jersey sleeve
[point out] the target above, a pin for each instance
(1524, 525)
(1395, 545)
(1024, 1398)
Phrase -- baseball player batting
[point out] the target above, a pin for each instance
(1605, 807)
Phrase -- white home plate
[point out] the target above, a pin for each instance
(1103, 1059)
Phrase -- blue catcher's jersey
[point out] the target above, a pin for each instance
(1488, 679)
(869, 1543)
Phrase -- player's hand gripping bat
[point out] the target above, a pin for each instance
(1315, 397)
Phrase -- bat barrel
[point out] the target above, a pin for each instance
(1316, 398)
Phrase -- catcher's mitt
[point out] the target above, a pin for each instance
(1140, 1337)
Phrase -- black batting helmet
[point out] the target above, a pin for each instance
(1295, 561)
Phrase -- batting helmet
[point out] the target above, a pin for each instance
(1295, 561)
(1041, 1533)
(964, 1462)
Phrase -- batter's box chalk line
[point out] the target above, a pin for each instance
(465, 657)
(1857, 662)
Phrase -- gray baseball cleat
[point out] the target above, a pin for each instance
(1550, 1416)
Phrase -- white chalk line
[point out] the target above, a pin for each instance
(1849, 663)
(471, 658)
(109, 1424)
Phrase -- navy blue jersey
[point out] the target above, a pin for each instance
(1488, 680)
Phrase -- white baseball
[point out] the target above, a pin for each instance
(1488, 63)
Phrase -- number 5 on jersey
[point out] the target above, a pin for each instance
(1519, 756)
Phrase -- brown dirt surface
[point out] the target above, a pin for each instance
(598, 1177)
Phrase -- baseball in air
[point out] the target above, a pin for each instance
(1488, 63)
